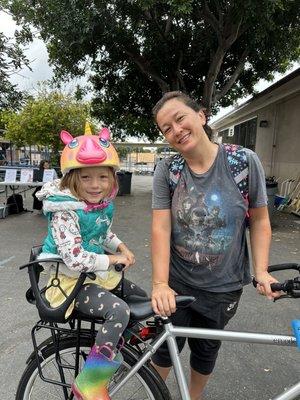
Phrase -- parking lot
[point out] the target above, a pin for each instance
(243, 371)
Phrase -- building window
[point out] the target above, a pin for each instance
(244, 134)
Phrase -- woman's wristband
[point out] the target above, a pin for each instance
(160, 283)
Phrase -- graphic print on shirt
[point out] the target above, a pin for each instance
(202, 225)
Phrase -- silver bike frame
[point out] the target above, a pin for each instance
(170, 332)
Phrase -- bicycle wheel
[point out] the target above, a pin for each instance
(144, 385)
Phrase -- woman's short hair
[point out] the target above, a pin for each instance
(71, 181)
(185, 99)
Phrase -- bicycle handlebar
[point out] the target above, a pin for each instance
(283, 267)
(290, 286)
(119, 267)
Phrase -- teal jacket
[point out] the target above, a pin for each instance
(94, 224)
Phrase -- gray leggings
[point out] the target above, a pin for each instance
(93, 300)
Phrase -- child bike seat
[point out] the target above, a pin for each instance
(36, 295)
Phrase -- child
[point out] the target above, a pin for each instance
(79, 209)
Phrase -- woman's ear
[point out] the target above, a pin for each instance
(202, 117)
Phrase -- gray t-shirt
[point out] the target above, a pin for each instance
(208, 241)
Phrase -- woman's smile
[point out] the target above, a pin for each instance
(184, 138)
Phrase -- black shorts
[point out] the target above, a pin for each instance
(210, 310)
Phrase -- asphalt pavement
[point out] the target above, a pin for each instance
(243, 371)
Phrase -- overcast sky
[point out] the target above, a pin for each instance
(37, 54)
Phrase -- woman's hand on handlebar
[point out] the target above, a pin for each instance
(264, 280)
(163, 299)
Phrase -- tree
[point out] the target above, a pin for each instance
(12, 59)
(215, 50)
(42, 119)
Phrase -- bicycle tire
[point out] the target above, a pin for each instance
(145, 384)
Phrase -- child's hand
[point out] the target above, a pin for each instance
(130, 256)
(127, 253)
(119, 259)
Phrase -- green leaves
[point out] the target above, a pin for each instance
(12, 59)
(216, 50)
(42, 119)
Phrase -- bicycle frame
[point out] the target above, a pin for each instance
(169, 334)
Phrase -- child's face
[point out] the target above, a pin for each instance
(95, 183)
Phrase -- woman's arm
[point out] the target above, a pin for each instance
(163, 297)
(260, 238)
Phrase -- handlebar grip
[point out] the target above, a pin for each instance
(275, 287)
(119, 267)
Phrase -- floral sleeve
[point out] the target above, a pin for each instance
(111, 241)
(66, 234)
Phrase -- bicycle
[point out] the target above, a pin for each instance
(55, 362)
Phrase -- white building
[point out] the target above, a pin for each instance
(269, 124)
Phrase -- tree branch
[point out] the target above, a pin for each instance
(146, 68)
(233, 34)
(163, 34)
(168, 26)
(232, 79)
(212, 74)
(211, 19)
(227, 34)
(178, 73)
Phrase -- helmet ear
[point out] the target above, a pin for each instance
(66, 137)
(104, 134)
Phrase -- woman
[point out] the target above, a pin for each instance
(212, 265)
(44, 164)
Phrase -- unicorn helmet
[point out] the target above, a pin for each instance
(88, 151)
